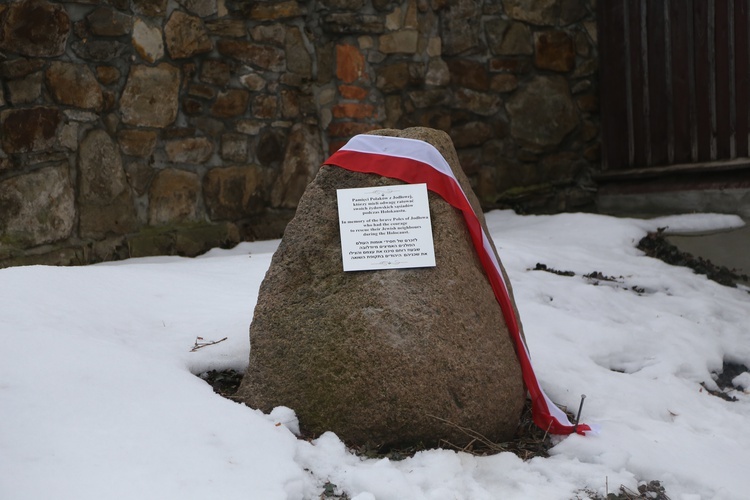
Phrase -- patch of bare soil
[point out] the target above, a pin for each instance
(656, 245)
(224, 382)
(652, 490)
(593, 278)
(724, 380)
(728, 373)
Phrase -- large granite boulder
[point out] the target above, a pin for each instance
(383, 357)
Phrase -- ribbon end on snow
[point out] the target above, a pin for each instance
(582, 429)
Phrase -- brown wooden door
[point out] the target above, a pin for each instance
(674, 82)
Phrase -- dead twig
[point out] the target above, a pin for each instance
(546, 432)
(474, 435)
(200, 345)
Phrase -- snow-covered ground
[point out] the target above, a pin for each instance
(99, 399)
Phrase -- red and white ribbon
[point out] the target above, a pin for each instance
(414, 161)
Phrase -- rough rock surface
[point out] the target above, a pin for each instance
(174, 197)
(102, 183)
(74, 85)
(29, 129)
(232, 192)
(386, 357)
(186, 36)
(37, 208)
(147, 41)
(22, 35)
(301, 162)
(150, 97)
(543, 113)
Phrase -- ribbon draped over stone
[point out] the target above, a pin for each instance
(414, 161)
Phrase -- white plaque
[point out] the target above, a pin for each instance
(385, 228)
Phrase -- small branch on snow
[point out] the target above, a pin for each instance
(201, 344)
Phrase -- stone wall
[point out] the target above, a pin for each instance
(142, 127)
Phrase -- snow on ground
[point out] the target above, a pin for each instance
(99, 399)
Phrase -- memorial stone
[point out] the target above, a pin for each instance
(386, 357)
